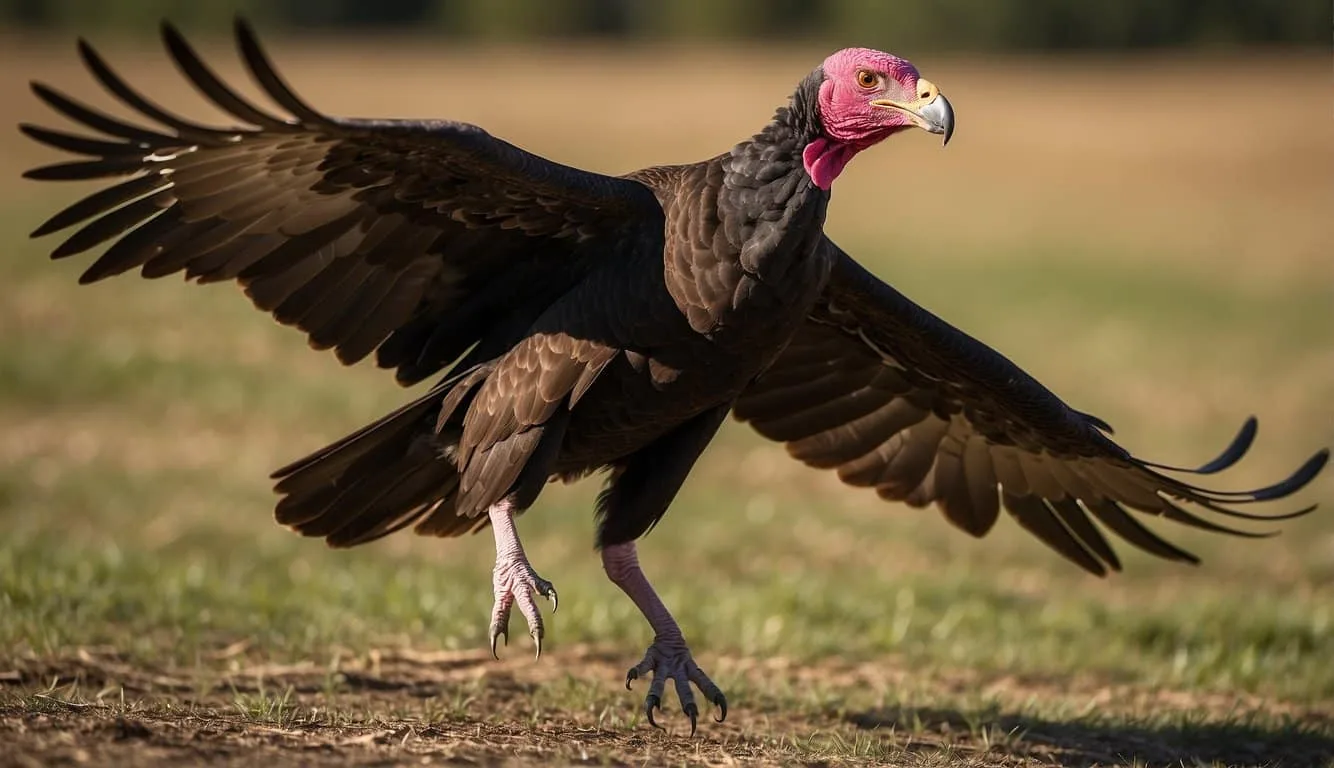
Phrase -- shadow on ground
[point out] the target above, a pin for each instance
(1087, 742)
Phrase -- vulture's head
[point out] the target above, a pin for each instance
(867, 96)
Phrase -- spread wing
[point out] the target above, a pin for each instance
(416, 238)
(896, 399)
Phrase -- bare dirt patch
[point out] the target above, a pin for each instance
(399, 707)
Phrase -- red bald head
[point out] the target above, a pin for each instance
(867, 96)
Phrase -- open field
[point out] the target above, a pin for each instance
(1150, 238)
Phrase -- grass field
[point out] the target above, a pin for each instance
(1150, 238)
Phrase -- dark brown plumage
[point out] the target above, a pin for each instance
(586, 322)
(895, 399)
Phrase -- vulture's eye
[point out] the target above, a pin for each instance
(867, 79)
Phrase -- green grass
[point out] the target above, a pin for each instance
(207, 591)
(138, 422)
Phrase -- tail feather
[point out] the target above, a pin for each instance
(444, 521)
(427, 487)
(333, 459)
(383, 477)
(358, 501)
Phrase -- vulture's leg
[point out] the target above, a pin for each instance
(638, 495)
(668, 657)
(514, 580)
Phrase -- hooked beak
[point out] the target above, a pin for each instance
(930, 111)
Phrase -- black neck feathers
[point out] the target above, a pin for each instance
(772, 158)
(800, 119)
(768, 207)
(793, 125)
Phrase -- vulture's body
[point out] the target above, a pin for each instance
(582, 322)
(634, 365)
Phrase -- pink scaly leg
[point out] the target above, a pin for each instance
(514, 580)
(668, 656)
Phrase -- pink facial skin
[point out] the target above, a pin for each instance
(851, 124)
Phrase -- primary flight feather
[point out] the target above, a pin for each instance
(581, 322)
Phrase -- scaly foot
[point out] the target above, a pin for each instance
(672, 661)
(669, 656)
(515, 581)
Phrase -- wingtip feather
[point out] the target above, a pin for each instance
(47, 227)
(242, 27)
(1297, 481)
(39, 89)
(263, 72)
(86, 50)
(195, 70)
(1237, 448)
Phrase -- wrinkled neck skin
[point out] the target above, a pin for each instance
(825, 158)
(841, 139)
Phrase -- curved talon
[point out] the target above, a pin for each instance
(675, 664)
(551, 595)
(692, 712)
(515, 584)
(649, 703)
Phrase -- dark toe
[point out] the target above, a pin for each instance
(692, 712)
(651, 703)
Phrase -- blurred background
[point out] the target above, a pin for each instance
(937, 25)
(1136, 208)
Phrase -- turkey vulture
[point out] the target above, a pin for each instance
(585, 322)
